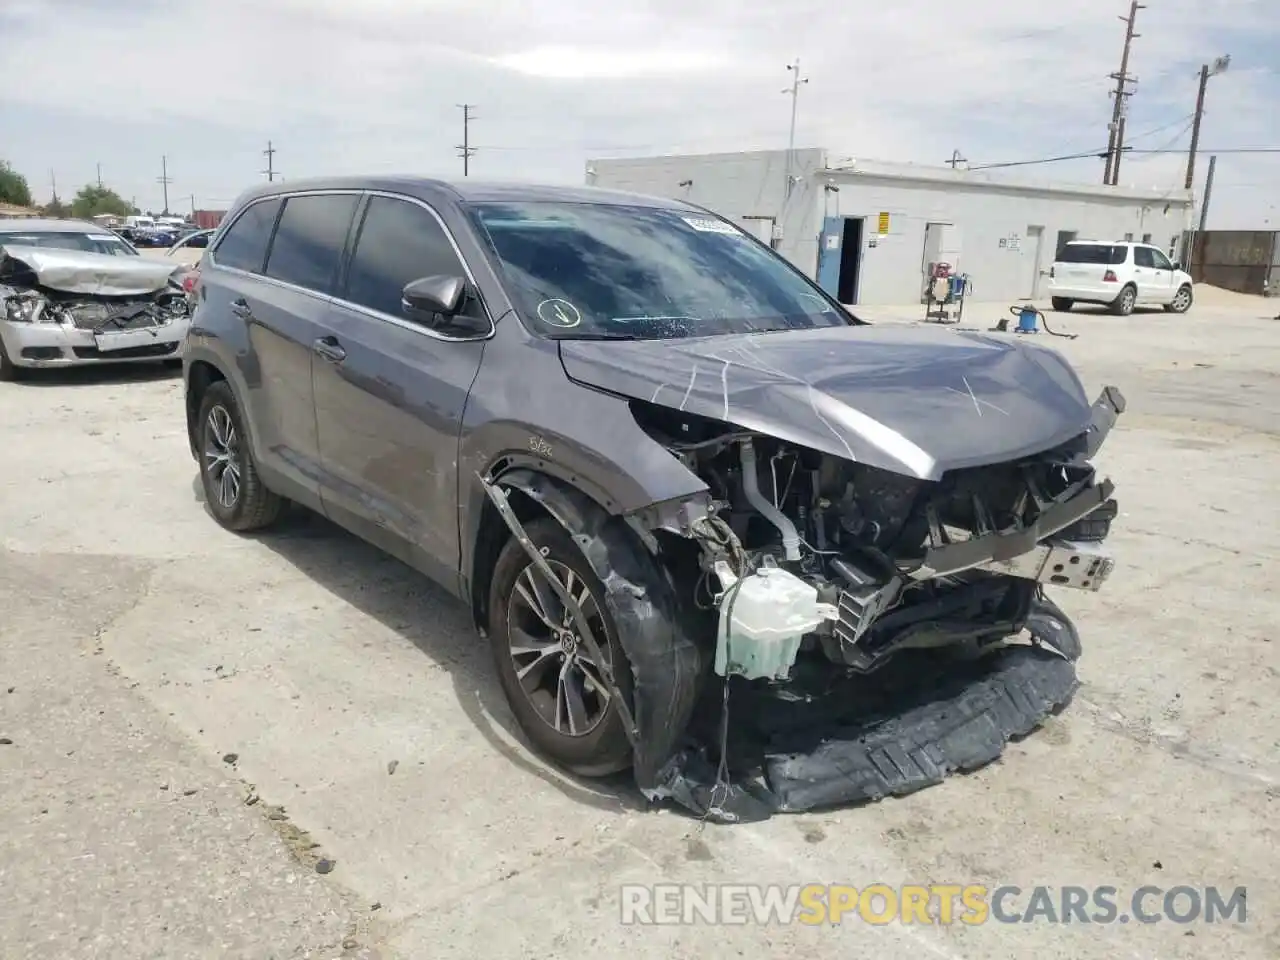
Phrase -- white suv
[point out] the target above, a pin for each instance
(1120, 275)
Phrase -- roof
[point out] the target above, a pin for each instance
(465, 191)
(48, 226)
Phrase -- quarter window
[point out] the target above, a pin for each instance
(399, 242)
(307, 249)
(244, 245)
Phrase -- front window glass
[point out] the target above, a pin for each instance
(600, 270)
(107, 243)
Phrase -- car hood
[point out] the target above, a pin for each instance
(78, 271)
(915, 400)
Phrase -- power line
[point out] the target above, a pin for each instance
(1130, 150)
(465, 150)
(1115, 141)
(164, 180)
(1208, 70)
(270, 154)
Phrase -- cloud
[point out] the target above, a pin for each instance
(342, 86)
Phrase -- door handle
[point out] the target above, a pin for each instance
(330, 349)
(241, 309)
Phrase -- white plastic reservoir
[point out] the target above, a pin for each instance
(763, 618)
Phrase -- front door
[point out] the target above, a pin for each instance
(1161, 277)
(830, 245)
(390, 393)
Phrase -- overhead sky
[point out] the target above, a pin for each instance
(345, 86)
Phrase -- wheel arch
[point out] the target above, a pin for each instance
(533, 491)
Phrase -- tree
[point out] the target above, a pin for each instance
(93, 200)
(13, 186)
(57, 209)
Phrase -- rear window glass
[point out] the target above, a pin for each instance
(1110, 254)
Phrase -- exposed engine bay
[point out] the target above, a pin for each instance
(844, 628)
(807, 553)
(99, 314)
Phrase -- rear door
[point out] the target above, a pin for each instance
(289, 312)
(390, 393)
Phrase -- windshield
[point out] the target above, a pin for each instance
(1099, 253)
(596, 270)
(107, 243)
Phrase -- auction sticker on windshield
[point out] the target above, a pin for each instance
(559, 313)
(706, 225)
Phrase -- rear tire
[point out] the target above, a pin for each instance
(1062, 304)
(1123, 305)
(1182, 300)
(538, 685)
(233, 491)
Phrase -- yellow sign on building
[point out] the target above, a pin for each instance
(884, 223)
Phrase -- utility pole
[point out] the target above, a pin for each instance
(1208, 70)
(956, 159)
(1115, 139)
(193, 205)
(1208, 192)
(270, 154)
(794, 91)
(53, 179)
(164, 180)
(465, 150)
(99, 176)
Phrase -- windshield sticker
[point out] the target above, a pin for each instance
(103, 237)
(707, 225)
(559, 313)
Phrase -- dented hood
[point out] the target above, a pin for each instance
(78, 271)
(915, 400)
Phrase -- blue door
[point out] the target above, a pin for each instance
(829, 249)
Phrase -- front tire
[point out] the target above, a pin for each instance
(1182, 300)
(234, 492)
(1123, 305)
(554, 688)
(1062, 304)
(8, 372)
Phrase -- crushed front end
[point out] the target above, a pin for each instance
(66, 308)
(873, 631)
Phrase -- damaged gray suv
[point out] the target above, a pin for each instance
(716, 529)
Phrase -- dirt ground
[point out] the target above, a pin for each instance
(289, 745)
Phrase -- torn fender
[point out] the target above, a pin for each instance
(665, 663)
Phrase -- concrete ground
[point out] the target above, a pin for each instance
(191, 721)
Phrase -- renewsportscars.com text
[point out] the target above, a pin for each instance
(927, 904)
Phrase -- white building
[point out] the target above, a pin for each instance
(868, 231)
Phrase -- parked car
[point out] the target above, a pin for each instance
(72, 294)
(647, 452)
(188, 251)
(1119, 275)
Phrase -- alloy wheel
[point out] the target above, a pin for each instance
(222, 457)
(1181, 300)
(555, 672)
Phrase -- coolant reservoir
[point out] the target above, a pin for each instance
(763, 618)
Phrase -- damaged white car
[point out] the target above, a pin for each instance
(66, 304)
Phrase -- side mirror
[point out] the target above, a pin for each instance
(1177, 264)
(430, 298)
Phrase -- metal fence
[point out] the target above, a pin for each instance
(1247, 261)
